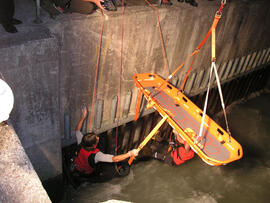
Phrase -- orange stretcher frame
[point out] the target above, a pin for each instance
(216, 147)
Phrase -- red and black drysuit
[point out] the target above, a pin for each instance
(176, 156)
(179, 155)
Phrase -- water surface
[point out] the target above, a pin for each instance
(246, 180)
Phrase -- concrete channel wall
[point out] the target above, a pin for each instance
(51, 66)
(29, 64)
(242, 45)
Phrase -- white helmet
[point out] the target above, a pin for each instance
(6, 101)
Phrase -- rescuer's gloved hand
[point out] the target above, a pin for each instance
(133, 152)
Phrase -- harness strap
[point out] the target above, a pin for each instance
(178, 155)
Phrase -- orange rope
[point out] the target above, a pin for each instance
(161, 39)
(96, 74)
(119, 78)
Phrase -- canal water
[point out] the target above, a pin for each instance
(246, 180)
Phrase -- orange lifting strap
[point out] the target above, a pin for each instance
(149, 136)
(213, 31)
(194, 53)
(138, 105)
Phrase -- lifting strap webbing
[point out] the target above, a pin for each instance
(214, 44)
(222, 102)
(138, 105)
(195, 52)
(211, 30)
(213, 67)
(184, 82)
(148, 137)
(205, 103)
(214, 25)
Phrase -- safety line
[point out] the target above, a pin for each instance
(96, 73)
(161, 38)
(119, 78)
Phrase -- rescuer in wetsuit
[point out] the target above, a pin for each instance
(178, 153)
(90, 161)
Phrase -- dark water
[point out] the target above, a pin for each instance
(246, 180)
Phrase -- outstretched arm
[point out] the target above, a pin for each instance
(101, 157)
(122, 157)
(97, 2)
(83, 116)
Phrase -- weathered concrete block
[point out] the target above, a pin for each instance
(18, 180)
(30, 65)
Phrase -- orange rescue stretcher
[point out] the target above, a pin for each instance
(215, 147)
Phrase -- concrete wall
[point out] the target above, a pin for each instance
(51, 66)
(183, 27)
(29, 64)
(18, 180)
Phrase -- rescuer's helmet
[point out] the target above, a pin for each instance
(6, 101)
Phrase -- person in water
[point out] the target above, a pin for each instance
(179, 152)
(90, 160)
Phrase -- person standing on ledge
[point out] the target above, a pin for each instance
(55, 7)
(85, 6)
(191, 2)
(7, 10)
(89, 155)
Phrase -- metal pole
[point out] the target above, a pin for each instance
(37, 20)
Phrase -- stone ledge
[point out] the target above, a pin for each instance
(18, 179)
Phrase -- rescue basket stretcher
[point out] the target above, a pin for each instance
(215, 146)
